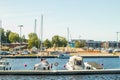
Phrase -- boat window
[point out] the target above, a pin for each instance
(78, 62)
(88, 67)
(7, 63)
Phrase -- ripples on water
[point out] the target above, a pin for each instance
(61, 77)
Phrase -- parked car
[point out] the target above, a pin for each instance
(4, 53)
(116, 50)
(25, 52)
(14, 52)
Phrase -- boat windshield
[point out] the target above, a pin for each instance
(78, 62)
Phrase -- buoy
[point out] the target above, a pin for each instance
(25, 65)
(56, 64)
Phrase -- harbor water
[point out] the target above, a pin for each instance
(28, 63)
(19, 64)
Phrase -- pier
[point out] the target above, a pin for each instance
(59, 72)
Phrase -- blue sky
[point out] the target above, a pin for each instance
(86, 19)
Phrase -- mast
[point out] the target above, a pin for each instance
(0, 34)
(67, 38)
(41, 32)
(35, 26)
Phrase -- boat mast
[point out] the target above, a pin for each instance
(35, 26)
(67, 38)
(0, 34)
(41, 32)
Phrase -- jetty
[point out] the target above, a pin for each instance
(59, 72)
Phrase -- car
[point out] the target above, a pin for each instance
(14, 52)
(116, 50)
(4, 53)
(25, 52)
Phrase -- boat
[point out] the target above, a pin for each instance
(92, 66)
(76, 63)
(64, 56)
(43, 65)
(4, 65)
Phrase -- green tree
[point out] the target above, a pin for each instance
(79, 44)
(24, 39)
(13, 37)
(33, 40)
(2, 35)
(59, 41)
(47, 43)
(63, 41)
(7, 36)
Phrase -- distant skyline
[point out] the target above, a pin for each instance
(97, 20)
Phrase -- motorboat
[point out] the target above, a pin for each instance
(76, 63)
(43, 65)
(4, 65)
(92, 66)
(64, 56)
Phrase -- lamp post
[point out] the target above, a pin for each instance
(20, 39)
(117, 39)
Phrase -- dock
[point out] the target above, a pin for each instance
(24, 56)
(59, 72)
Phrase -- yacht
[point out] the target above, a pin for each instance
(76, 63)
(4, 65)
(43, 65)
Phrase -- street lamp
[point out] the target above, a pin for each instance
(20, 39)
(117, 38)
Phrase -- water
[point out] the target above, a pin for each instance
(61, 77)
(18, 64)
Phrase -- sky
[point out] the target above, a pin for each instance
(97, 20)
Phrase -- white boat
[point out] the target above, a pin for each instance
(4, 65)
(64, 56)
(76, 63)
(92, 66)
(43, 65)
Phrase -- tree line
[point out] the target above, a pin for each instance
(33, 40)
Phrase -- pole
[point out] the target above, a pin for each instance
(117, 40)
(35, 26)
(41, 32)
(20, 40)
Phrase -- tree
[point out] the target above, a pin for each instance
(24, 39)
(13, 37)
(7, 36)
(33, 40)
(2, 35)
(63, 42)
(79, 44)
(59, 41)
(47, 43)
